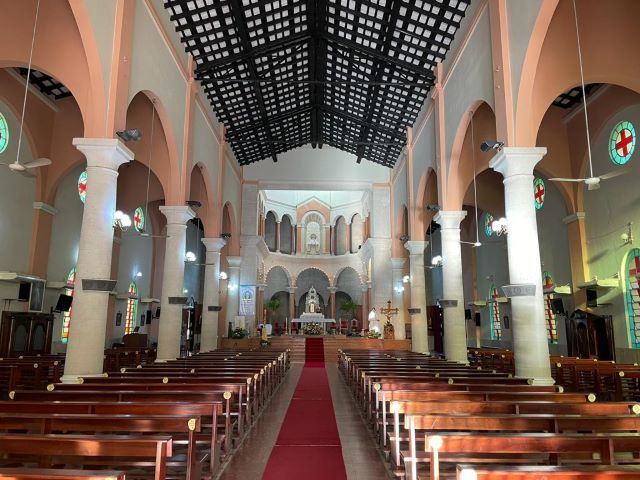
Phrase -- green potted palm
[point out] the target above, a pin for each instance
(271, 306)
(350, 308)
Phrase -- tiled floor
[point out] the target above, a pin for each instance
(361, 458)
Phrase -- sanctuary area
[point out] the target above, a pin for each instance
(319, 239)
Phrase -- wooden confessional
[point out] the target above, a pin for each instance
(590, 336)
(25, 333)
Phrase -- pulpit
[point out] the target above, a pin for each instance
(25, 333)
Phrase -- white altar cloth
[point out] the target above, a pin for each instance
(325, 322)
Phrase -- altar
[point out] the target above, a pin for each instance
(313, 312)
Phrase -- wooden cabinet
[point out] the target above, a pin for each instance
(23, 333)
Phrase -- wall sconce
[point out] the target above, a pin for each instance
(399, 289)
(121, 220)
(225, 236)
(404, 238)
(223, 276)
(406, 279)
(190, 257)
(500, 226)
(436, 261)
(232, 287)
(139, 274)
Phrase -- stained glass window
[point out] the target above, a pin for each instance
(632, 295)
(132, 308)
(494, 314)
(539, 192)
(66, 316)
(138, 219)
(4, 133)
(488, 220)
(622, 143)
(548, 285)
(82, 186)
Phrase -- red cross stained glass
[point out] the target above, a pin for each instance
(132, 308)
(66, 316)
(494, 314)
(138, 219)
(622, 143)
(539, 193)
(82, 186)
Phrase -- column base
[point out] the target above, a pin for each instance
(541, 381)
(75, 378)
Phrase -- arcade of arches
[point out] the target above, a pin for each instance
(474, 247)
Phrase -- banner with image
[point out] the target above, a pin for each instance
(247, 300)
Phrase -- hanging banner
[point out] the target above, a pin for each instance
(247, 300)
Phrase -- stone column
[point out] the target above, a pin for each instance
(170, 325)
(530, 345)
(292, 304)
(365, 305)
(85, 350)
(455, 327)
(260, 303)
(397, 270)
(577, 235)
(211, 294)
(419, 326)
(327, 238)
(277, 237)
(233, 281)
(332, 292)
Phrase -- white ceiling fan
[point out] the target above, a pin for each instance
(592, 182)
(25, 168)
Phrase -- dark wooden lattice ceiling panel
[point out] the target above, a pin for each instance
(348, 73)
(47, 85)
(573, 97)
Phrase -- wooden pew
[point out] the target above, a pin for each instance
(59, 474)
(183, 429)
(449, 449)
(90, 450)
(545, 472)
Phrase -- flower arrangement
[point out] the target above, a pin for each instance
(312, 328)
(239, 333)
(265, 343)
(373, 334)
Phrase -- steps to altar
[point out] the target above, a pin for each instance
(332, 343)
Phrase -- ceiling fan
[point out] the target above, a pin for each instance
(25, 168)
(592, 182)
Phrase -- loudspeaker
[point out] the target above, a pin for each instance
(505, 321)
(477, 319)
(467, 314)
(149, 316)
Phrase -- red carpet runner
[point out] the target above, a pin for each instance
(308, 445)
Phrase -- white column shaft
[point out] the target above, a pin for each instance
(211, 295)
(419, 327)
(398, 298)
(233, 304)
(85, 350)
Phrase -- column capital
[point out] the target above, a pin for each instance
(261, 286)
(512, 161)
(365, 287)
(398, 263)
(104, 152)
(450, 219)
(234, 262)
(416, 247)
(177, 214)
(292, 289)
(333, 290)
(574, 217)
(45, 207)
(214, 244)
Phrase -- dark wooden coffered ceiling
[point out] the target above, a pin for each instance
(352, 74)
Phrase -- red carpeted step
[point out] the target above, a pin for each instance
(314, 351)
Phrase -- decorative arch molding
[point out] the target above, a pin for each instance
(460, 173)
(427, 192)
(336, 276)
(207, 213)
(286, 271)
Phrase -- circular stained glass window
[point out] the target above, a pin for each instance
(539, 192)
(4, 133)
(488, 220)
(82, 186)
(138, 219)
(622, 143)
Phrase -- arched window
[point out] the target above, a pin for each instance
(132, 308)
(622, 143)
(66, 316)
(632, 295)
(4, 133)
(547, 286)
(494, 313)
(539, 192)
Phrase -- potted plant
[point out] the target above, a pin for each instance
(271, 306)
(239, 333)
(350, 307)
